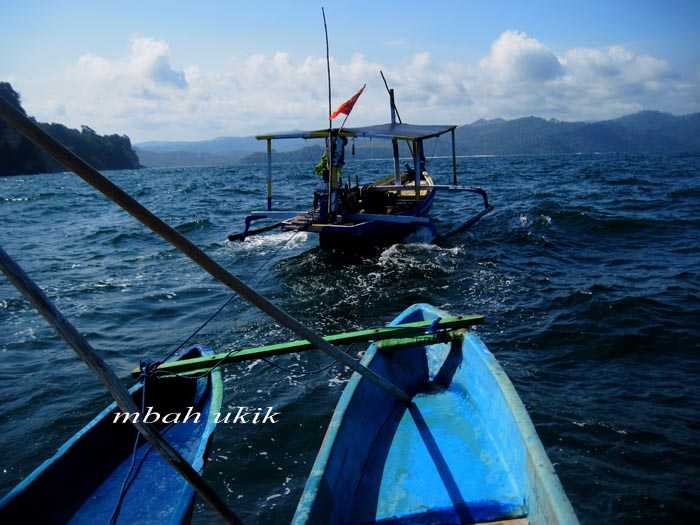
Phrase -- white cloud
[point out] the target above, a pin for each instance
(144, 95)
(150, 60)
(515, 57)
(614, 62)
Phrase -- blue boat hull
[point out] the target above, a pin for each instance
(378, 233)
(464, 451)
(82, 482)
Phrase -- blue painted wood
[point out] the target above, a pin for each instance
(464, 451)
(82, 481)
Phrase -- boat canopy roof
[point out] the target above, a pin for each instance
(382, 131)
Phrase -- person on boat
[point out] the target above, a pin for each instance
(321, 193)
(421, 166)
(335, 172)
(409, 170)
(421, 162)
(339, 157)
(321, 168)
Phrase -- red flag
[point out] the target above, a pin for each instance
(346, 107)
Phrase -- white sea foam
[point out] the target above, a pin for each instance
(265, 243)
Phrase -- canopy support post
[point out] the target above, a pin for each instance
(416, 165)
(397, 167)
(454, 158)
(105, 186)
(269, 174)
(82, 347)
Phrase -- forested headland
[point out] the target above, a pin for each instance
(18, 156)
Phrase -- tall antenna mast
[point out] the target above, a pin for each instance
(330, 120)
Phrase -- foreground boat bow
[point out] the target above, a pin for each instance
(83, 481)
(464, 451)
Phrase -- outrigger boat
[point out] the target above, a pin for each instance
(348, 216)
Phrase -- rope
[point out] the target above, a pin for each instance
(299, 374)
(201, 327)
(145, 371)
(258, 272)
(151, 369)
(228, 301)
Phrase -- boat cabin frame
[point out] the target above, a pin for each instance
(413, 134)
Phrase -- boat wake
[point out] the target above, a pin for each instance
(263, 244)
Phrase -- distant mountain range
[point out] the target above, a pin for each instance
(643, 132)
(216, 152)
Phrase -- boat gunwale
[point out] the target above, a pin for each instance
(537, 457)
(313, 482)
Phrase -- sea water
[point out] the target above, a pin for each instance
(588, 273)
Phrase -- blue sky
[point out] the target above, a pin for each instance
(190, 70)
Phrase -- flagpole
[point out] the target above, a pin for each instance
(330, 119)
(343, 124)
(354, 100)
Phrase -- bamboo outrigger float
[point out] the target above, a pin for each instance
(353, 217)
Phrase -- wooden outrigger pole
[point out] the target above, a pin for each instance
(82, 347)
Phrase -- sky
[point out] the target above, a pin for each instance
(158, 70)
